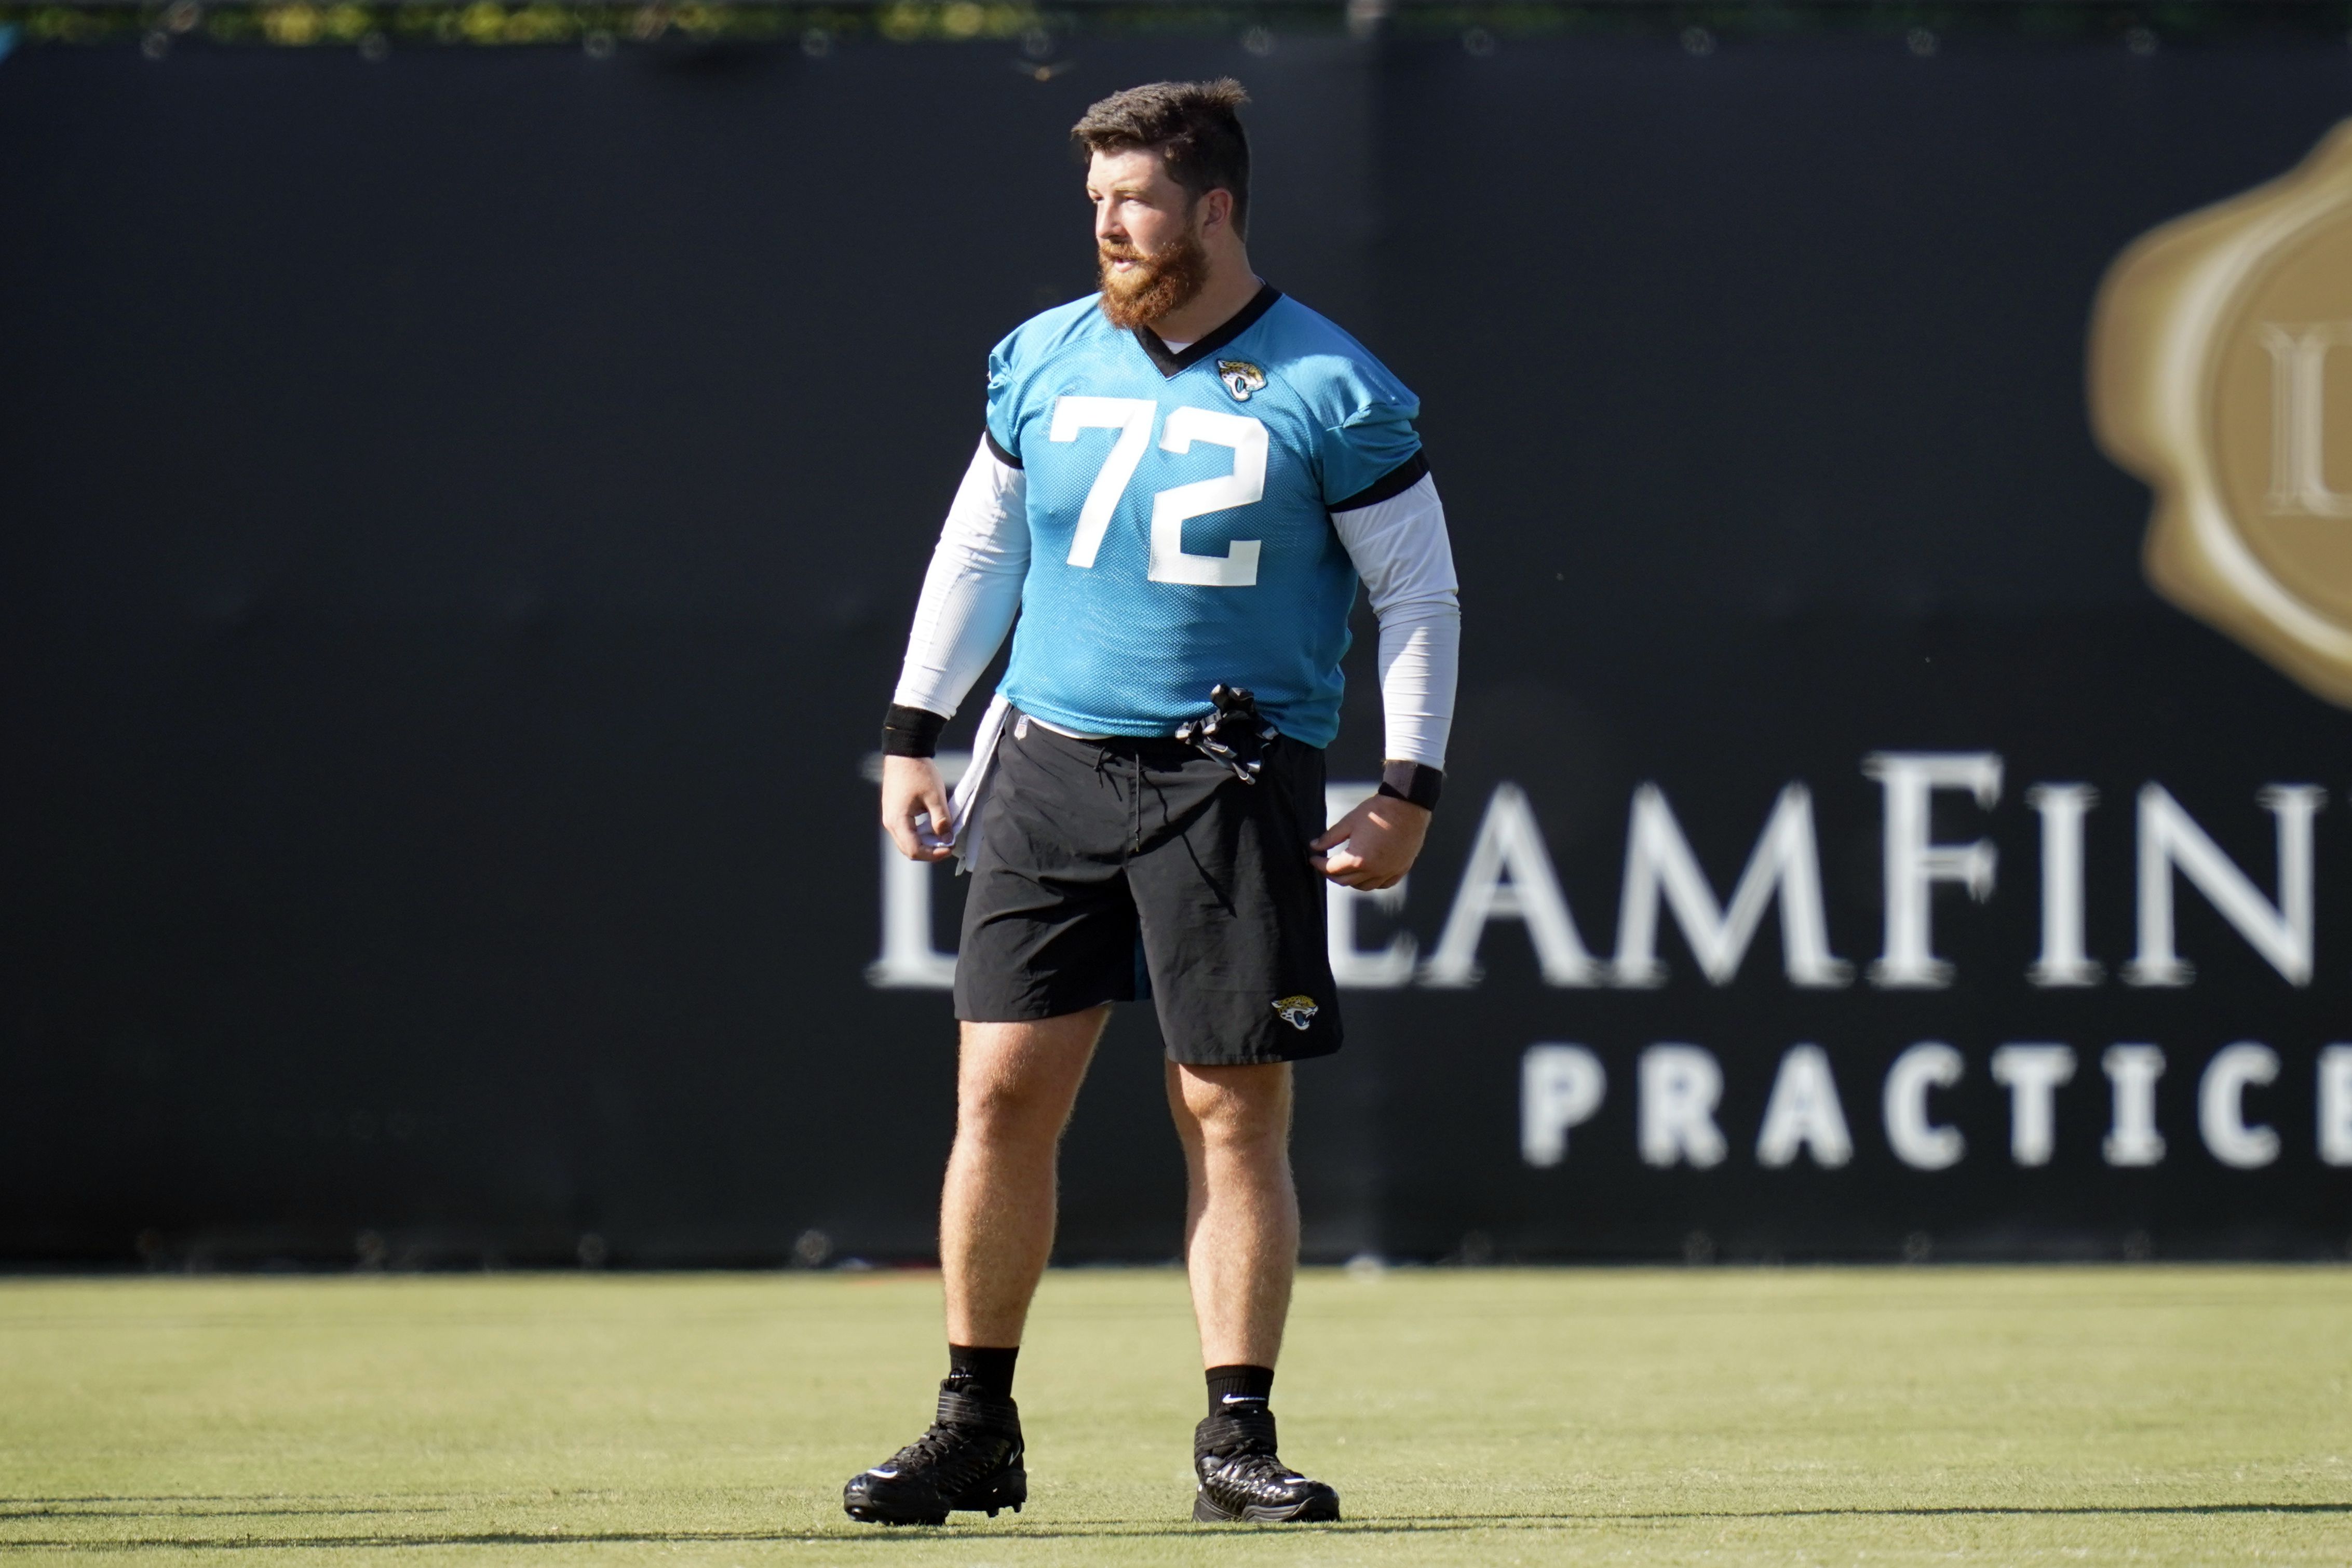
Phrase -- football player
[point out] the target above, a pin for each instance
(1182, 482)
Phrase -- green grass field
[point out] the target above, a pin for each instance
(2148, 1414)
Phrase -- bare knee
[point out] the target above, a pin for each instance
(1009, 1109)
(1015, 1083)
(1237, 1109)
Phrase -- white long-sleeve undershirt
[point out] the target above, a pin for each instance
(972, 590)
(1401, 551)
(1399, 546)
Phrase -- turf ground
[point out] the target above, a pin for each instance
(2148, 1414)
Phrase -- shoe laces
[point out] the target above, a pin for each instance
(1255, 1466)
(1238, 1446)
(953, 1452)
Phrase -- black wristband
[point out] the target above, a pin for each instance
(911, 731)
(1413, 782)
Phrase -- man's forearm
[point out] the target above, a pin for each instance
(1420, 660)
(970, 594)
(1401, 550)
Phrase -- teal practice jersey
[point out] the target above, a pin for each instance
(1180, 512)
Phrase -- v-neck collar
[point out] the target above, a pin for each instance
(1169, 362)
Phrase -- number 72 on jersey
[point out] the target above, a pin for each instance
(1133, 417)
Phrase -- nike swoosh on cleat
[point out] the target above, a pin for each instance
(884, 1475)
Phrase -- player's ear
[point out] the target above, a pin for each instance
(1216, 209)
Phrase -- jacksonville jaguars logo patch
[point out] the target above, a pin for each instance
(1241, 379)
(1296, 1011)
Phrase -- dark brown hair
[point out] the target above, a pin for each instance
(1195, 127)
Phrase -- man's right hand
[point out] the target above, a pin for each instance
(911, 787)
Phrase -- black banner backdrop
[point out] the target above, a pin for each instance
(463, 510)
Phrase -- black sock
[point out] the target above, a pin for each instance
(982, 1370)
(1239, 1389)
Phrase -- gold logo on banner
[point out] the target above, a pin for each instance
(2222, 373)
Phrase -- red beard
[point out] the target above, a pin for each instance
(1166, 280)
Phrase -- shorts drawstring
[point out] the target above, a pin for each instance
(1104, 755)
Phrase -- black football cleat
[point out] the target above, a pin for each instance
(1242, 1480)
(969, 1460)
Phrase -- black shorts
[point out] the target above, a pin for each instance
(1111, 870)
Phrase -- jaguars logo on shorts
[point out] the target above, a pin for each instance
(1241, 379)
(1296, 1011)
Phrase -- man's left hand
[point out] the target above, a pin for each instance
(1373, 846)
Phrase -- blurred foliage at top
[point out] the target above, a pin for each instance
(300, 23)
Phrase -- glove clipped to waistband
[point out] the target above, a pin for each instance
(1233, 733)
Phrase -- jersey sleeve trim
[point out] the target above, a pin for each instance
(996, 449)
(1387, 487)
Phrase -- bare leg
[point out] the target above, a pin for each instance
(1240, 1217)
(1014, 1085)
